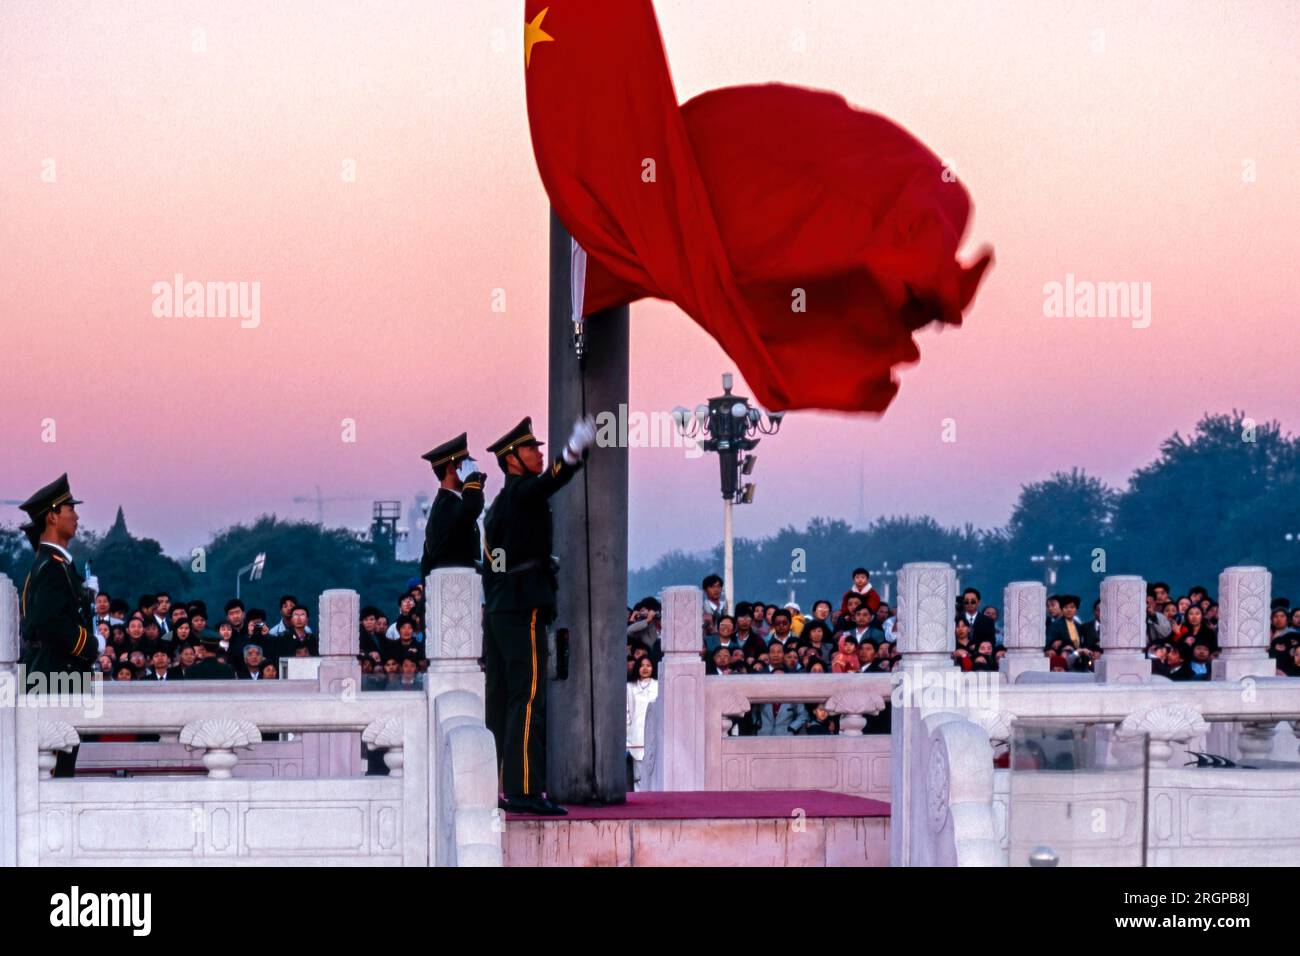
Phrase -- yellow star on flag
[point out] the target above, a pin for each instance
(533, 33)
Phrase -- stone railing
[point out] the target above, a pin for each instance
(687, 742)
(436, 806)
(951, 806)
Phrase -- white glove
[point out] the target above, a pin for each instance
(466, 468)
(583, 437)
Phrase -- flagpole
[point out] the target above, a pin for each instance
(586, 698)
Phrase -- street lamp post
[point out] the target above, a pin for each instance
(1051, 561)
(792, 582)
(883, 573)
(959, 568)
(254, 571)
(730, 423)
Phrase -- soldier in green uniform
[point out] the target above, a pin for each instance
(56, 607)
(208, 666)
(451, 537)
(519, 585)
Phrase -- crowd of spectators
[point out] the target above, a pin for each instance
(161, 639)
(857, 635)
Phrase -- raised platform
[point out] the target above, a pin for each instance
(708, 828)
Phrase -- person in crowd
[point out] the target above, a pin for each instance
(819, 640)
(725, 637)
(758, 618)
(718, 663)
(713, 602)
(821, 611)
(123, 672)
(250, 663)
(1066, 627)
(862, 618)
(1195, 630)
(981, 627)
(961, 630)
(182, 633)
(781, 624)
(779, 720)
(270, 671)
(230, 650)
(643, 626)
(1200, 662)
(405, 606)
(1280, 622)
(161, 667)
(287, 603)
(136, 640)
(845, 658)
(849, 604)
(820, 723)
(1176, 664)
(642, 690)
(405, 647)
(299, 636)
(775, 657)
(101, 614)
(185, 659)
(862, 587)
(370, 642)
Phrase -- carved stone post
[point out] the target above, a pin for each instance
(927, 595)
(8, 723)
(1123, 631)
(1025, 605)
(676, 726)
(339, 627)
(453, 600)
(1244, 598)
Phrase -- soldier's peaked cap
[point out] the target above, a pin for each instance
(458, 447)
(53, 495)
(517, 437)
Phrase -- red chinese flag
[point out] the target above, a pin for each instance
(809, 238)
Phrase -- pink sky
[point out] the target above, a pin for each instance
(1115, 156)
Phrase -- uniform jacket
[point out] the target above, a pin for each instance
(451, 536)
(519, 534)
(209, 669)
(56, 616)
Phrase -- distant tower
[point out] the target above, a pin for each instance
(118, 532)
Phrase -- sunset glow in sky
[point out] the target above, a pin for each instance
(369, 165)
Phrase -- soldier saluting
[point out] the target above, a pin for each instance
(55, 604)
(519, 586)
(451, 537)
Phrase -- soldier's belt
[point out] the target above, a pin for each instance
(552, 564)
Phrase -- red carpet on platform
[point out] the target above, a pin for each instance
(725, 805)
